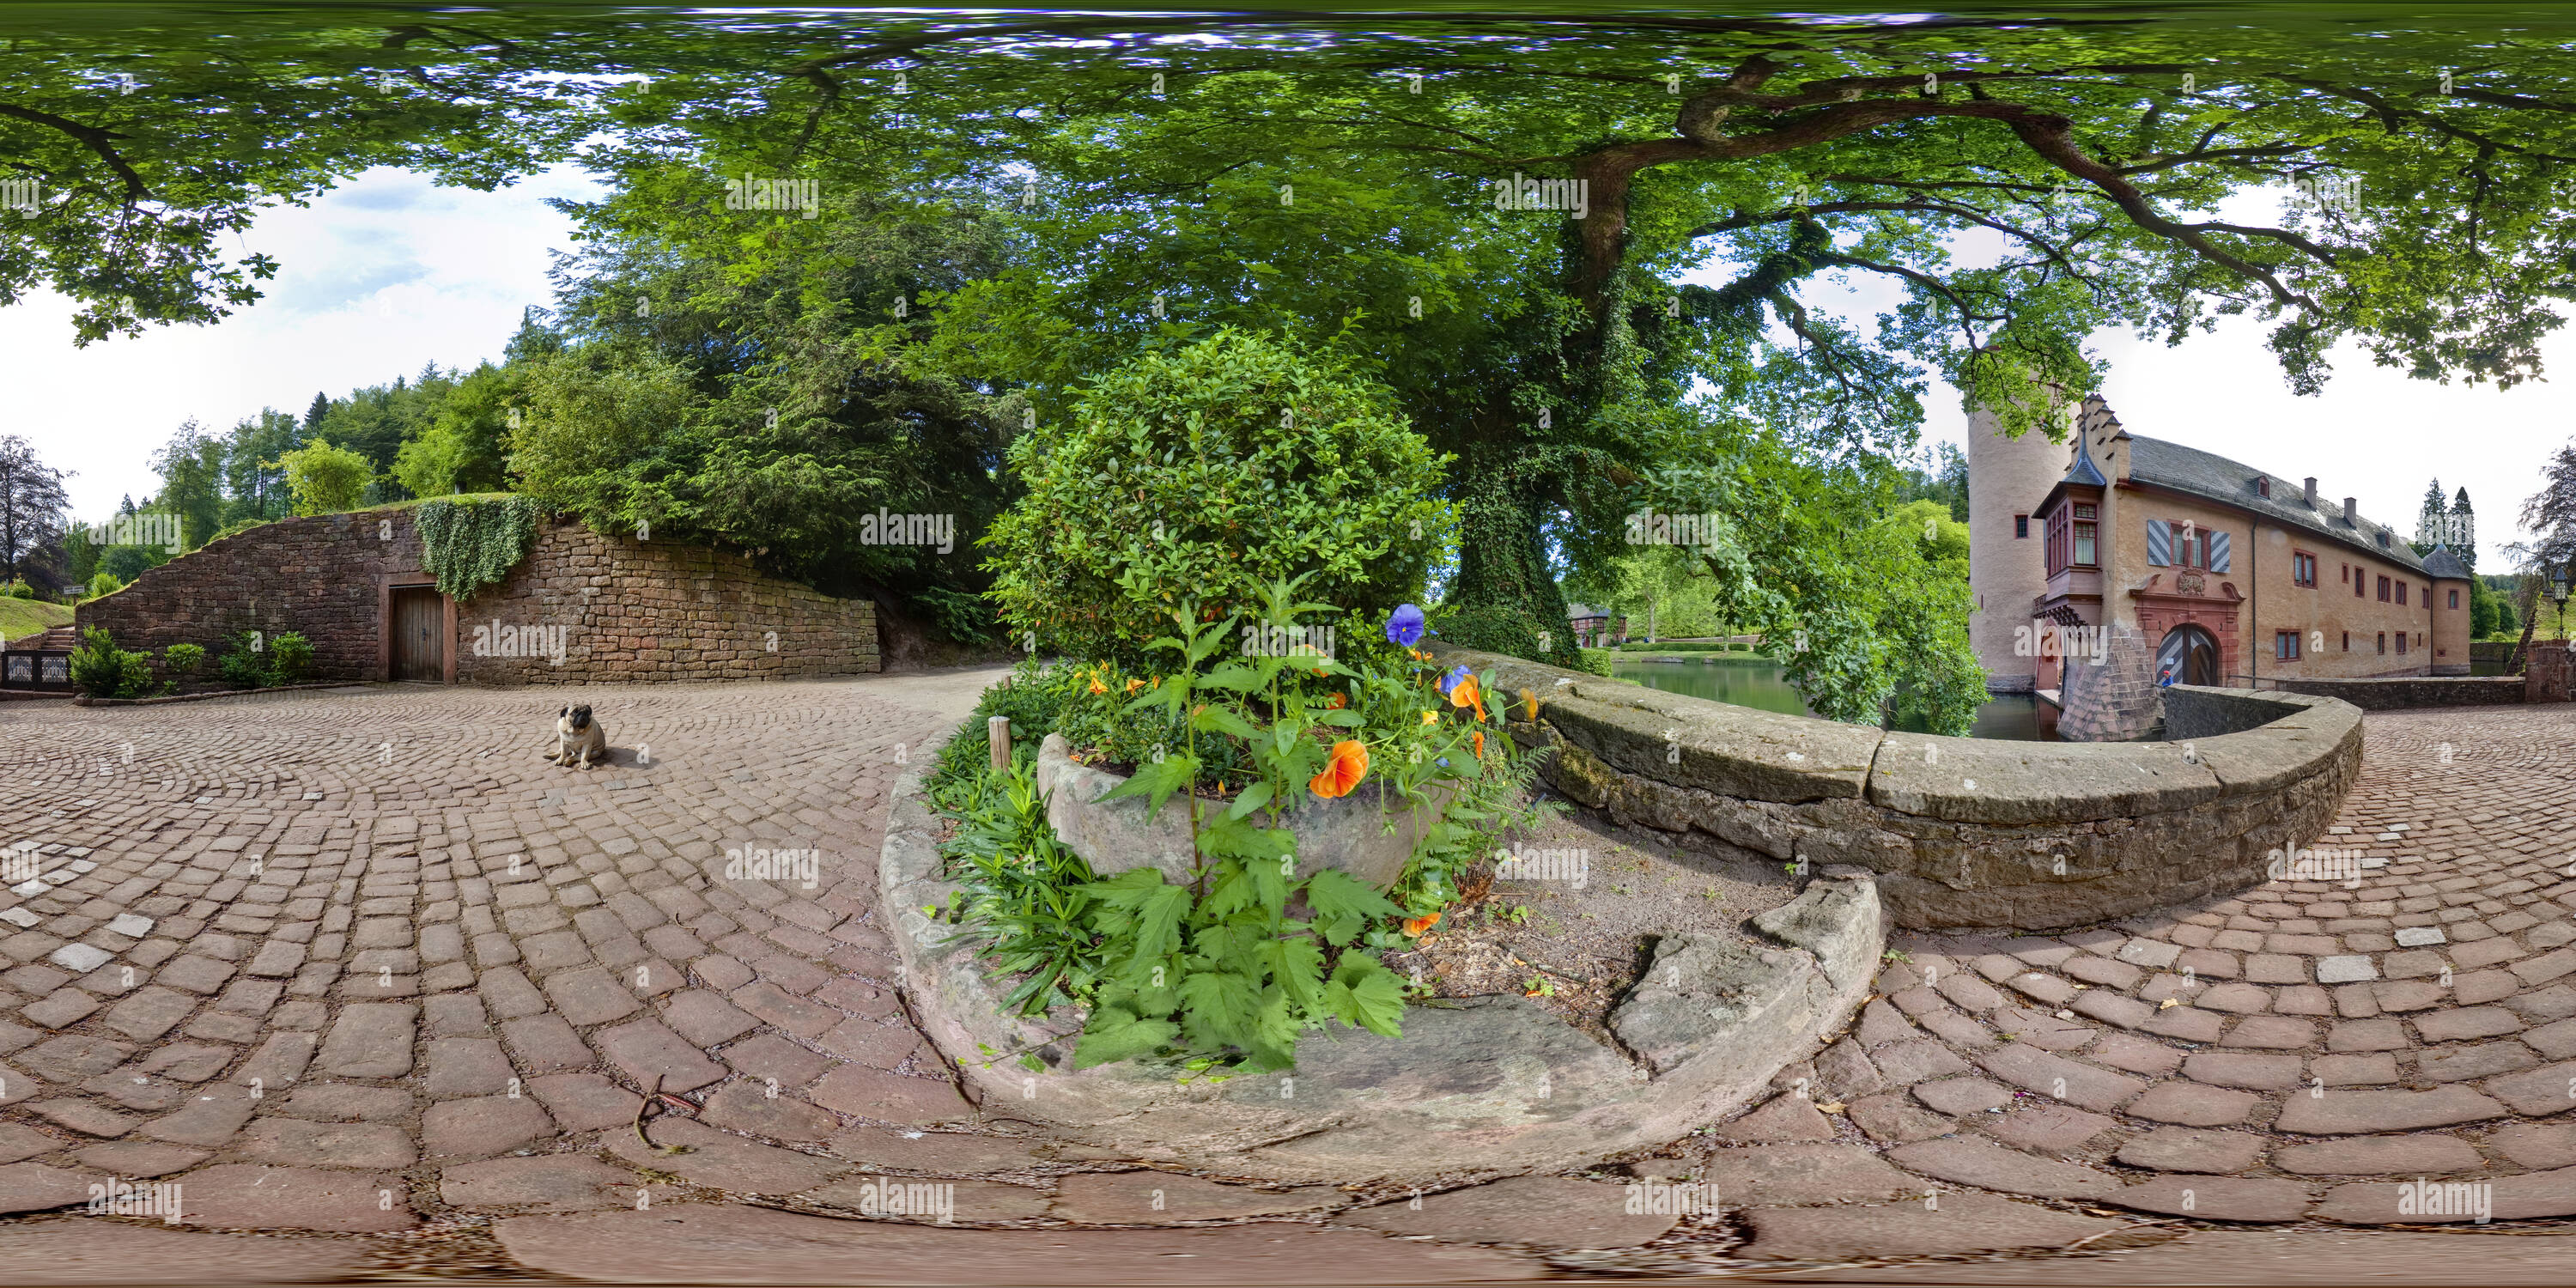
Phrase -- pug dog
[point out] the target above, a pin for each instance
(578, 739)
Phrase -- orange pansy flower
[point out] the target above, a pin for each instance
(1480, 744)
(1348, 765)
(1097, 686)
(1464, 694)
(1415, 926)
(1340, 700)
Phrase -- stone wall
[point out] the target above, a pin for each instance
(2117, 701)
(1961, 832)
(316, 576)
(613, 610)
(630, 610)
(2549, 674)
(2402, 693)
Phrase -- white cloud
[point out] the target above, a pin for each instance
(376, 278)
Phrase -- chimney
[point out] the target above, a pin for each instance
(2352, 513)
(2312, 494)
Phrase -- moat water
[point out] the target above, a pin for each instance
(1764, 685)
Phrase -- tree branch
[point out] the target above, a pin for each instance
(96, 139)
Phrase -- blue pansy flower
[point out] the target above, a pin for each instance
(1404, 625)
(1450, 681)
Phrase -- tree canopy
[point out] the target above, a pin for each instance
(1496, 216)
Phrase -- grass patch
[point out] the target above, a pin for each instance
(23, 617)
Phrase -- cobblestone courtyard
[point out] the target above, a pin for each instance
(358, 969)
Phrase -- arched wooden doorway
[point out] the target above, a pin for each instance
(2189, 655)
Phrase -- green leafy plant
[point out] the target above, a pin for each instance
(243, 666)
(1223, 971)
(1205, 473)
(1020, 892)
(326, 479)
(181, 662)
(102, 670)
(290, 659)
(103, 584)
(473, 543)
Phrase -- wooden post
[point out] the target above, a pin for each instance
(997, 734)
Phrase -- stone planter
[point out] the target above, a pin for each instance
(1369, 833)
(1475, 1087)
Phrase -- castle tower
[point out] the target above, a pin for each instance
(2007, 553)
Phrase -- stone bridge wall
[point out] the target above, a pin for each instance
(1962, 832)
(2399, 693)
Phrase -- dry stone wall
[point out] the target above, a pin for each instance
(1961, 832)
(623, 611)
(582, 608)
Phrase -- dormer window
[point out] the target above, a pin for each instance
(2263, 487)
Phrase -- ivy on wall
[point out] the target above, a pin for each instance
(470, 544)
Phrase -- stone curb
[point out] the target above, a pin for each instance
(84, 700)
(1481, 1087)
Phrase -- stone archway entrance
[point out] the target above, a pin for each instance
(2189, 655)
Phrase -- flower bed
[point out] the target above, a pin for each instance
(1296, 816)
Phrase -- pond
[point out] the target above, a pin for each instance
(1761, 683)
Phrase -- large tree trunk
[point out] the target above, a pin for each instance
(1504, 598)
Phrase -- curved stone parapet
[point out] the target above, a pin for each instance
(1963, 833)
(1475, 1087)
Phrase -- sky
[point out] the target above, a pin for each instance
(376, 278)
(388, 272)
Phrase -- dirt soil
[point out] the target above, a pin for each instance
(1576, 946)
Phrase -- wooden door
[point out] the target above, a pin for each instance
(419, 633)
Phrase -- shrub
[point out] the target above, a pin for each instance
(18, 589)
(468, 545)
(1203, 475)
(290, 659)
(243, 667)
(103, 583)
(102, 670)
(181, 662)
(326, 479)
(1597, 660)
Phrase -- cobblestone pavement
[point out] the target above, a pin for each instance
(358, 969)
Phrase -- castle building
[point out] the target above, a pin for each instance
(2141, 562)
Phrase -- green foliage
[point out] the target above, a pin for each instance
(768, 391)
(1214, 975)
(290, 658)
(1598, 660)
(1203, 475)
(1019, 891)
(471, 544)
(238, 527)
(1505, 629)
(326, 479)
(102, 670)
(181, 662)
(1033, 699)
(18, 589)
(104, 583)
(242, 666)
